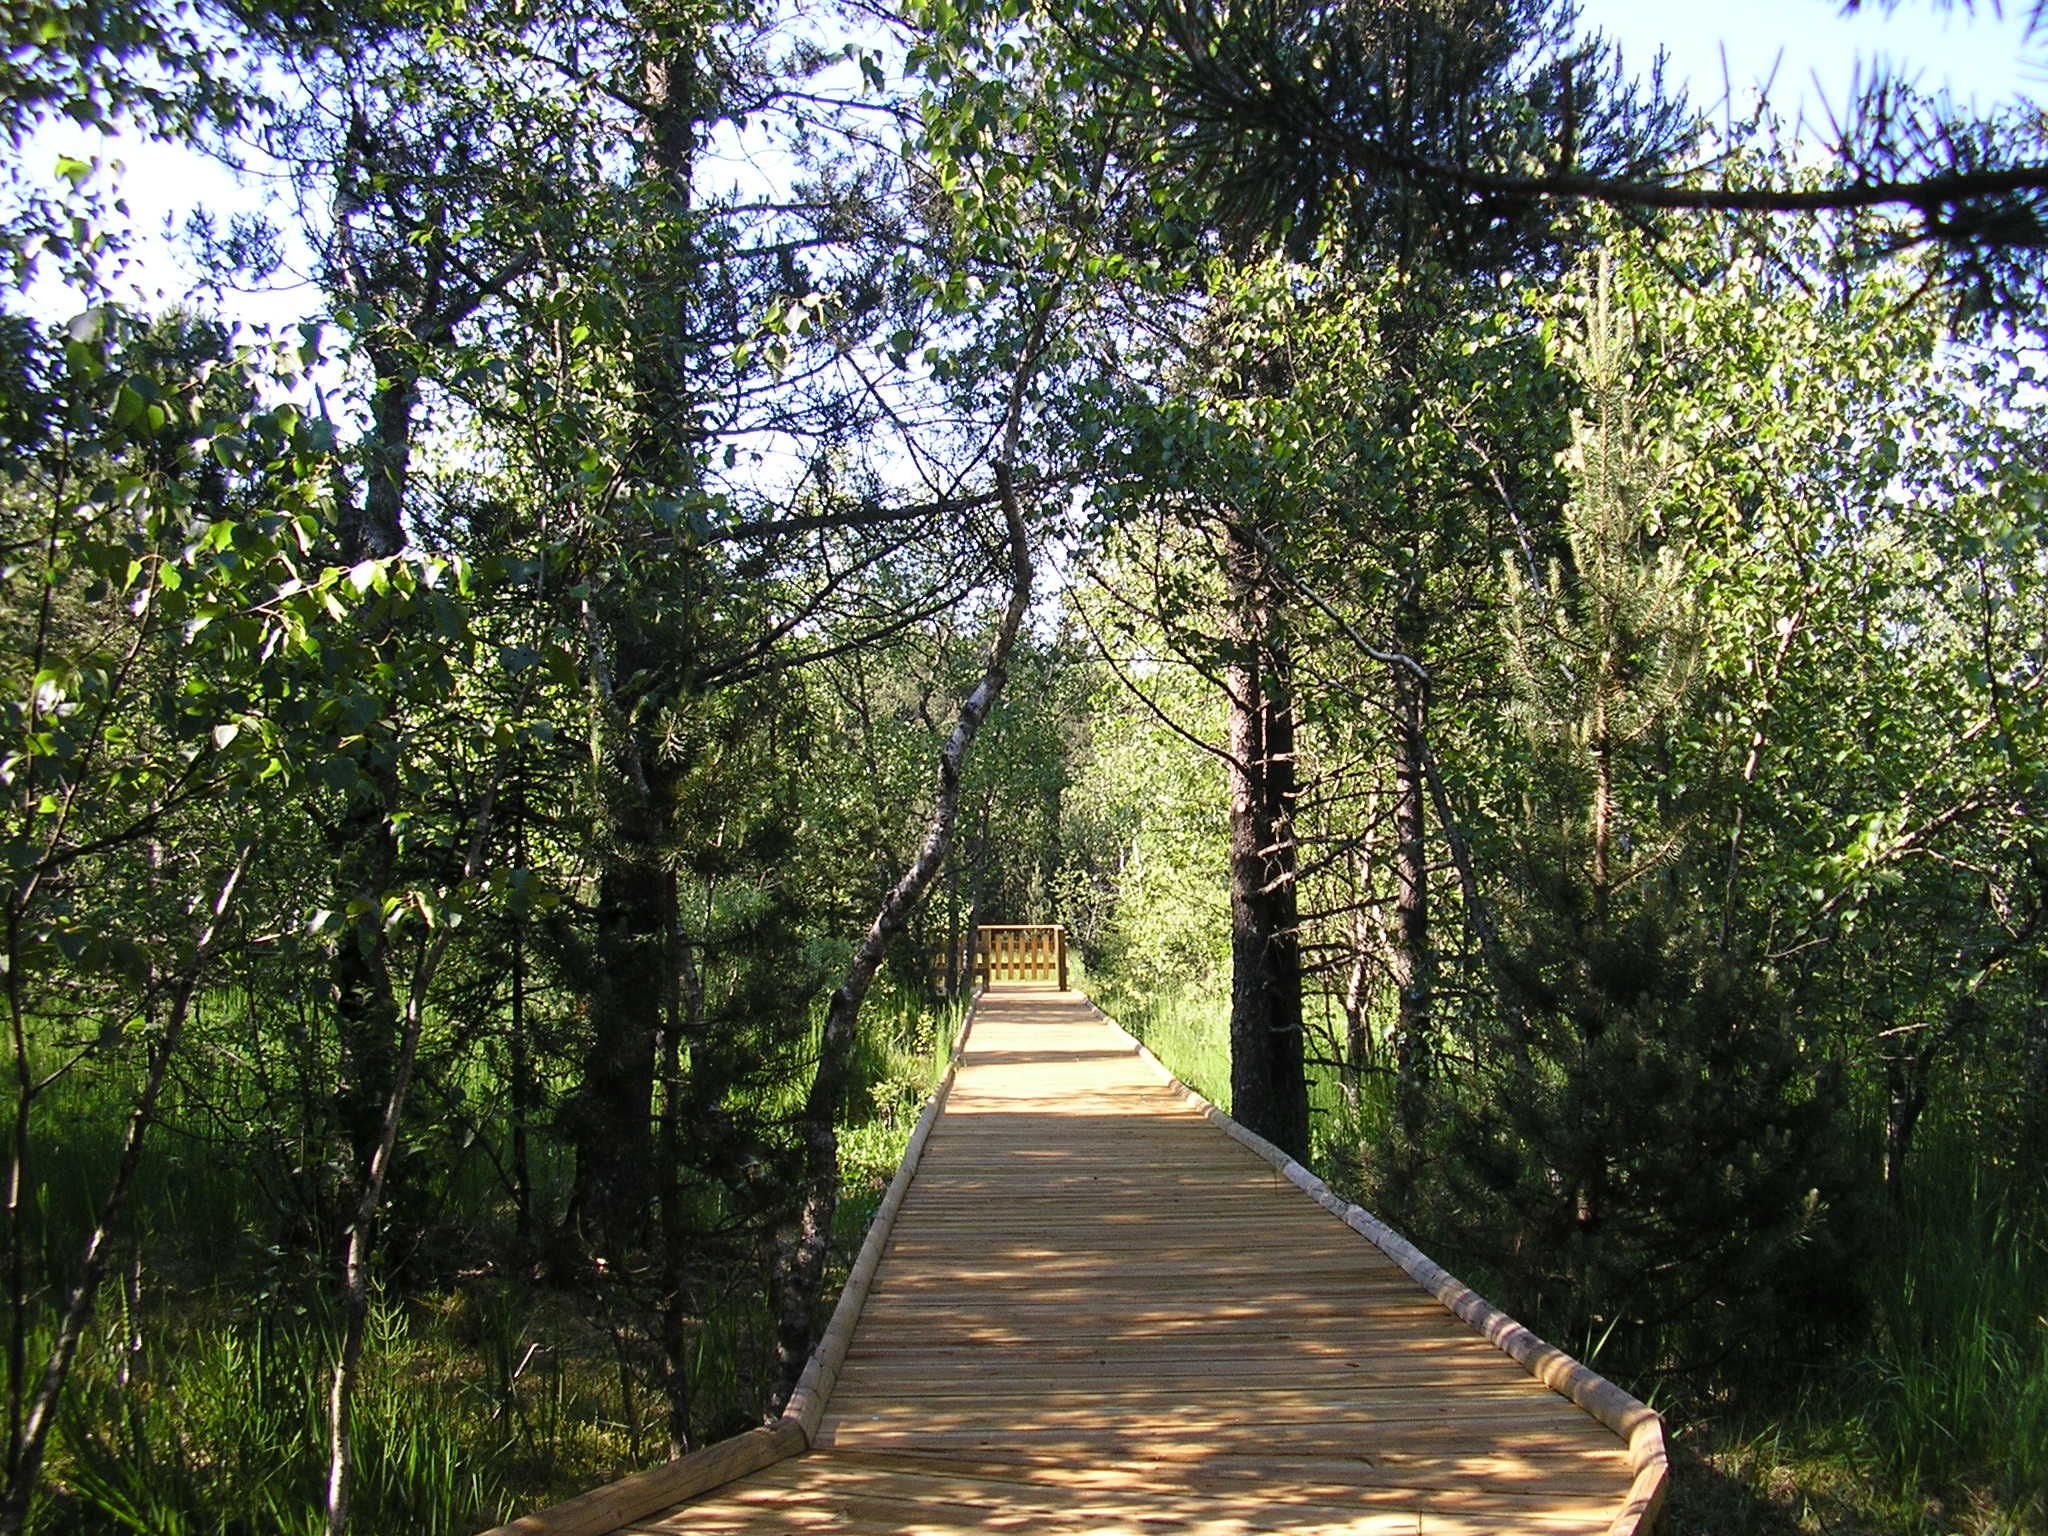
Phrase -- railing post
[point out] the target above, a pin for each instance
(1033, 952)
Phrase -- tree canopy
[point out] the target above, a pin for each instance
(1508, 627)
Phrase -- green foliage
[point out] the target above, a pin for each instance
(1651, 1139)
(217, 1424)
(1952, 1389)
(1653, 1155)
(1144, 838)
(1186, 1026)
(563, 644)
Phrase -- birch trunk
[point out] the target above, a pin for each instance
(800, 1266)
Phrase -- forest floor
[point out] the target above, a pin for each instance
(1815, 1481)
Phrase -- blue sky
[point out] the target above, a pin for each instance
(1813, 47)
(1965, 49)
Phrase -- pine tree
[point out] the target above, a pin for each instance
(1647, 1143)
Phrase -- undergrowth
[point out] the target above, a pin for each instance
(198, 1407)
(1187, 1029)
(1933, 1423)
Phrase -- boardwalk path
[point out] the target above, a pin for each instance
(1098, 1313)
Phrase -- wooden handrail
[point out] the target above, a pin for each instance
(1021, 952)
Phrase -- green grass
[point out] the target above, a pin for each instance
(219, 1426)
(1933, 1422)
(198, 1404)
(1950, 1398)
(902, 1054)
(1189, 1031)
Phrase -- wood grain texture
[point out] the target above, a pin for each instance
(615, 1504)
(1639, 1425)
(1103, 1308)
(806, 1404)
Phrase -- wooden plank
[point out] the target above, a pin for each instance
(1635, 1422)
(1278, 1399)
(807, 1403)
(1099, 1307)
(1332, 1499)
(616, 1504)
(1557, 1448)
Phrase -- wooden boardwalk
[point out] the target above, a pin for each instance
(1096, 1312)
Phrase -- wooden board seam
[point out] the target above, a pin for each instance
(814, 1388)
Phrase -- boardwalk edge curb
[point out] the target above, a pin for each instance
(821, 1372)
(604, 1510)
(642, 1493)
(1634, 1421)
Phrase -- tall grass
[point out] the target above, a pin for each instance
(218, 1426)
(1188, 1029)
(900, 1057)
(1952, 1388)
(199, 1404)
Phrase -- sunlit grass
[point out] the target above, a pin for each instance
(217, 1422)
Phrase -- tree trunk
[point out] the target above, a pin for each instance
(1413, 960)
(614, 1110)
(520, 1047)
(363, 1224)
(1268, 1081)
(363, 843)
(1905, 1097)
(2033, 1129)
(613, 1117)
(1602, 747)
(1357, 1023)
(28, 1442)
(685, 1019)
(799, 1272)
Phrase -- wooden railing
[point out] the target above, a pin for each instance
(1021, 952)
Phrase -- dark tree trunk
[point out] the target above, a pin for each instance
(520, 1048)
(1268, 1081)
(614, 1114)
(2033, 1130)
(1413, 961)
(1357, 998)
(614, 1109)
(1905, 1098)
(956, 944)
(363, 844)
(684, 1019)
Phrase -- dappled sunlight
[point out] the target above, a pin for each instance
(1096, 1312)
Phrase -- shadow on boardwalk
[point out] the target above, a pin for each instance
(1096, 1312)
